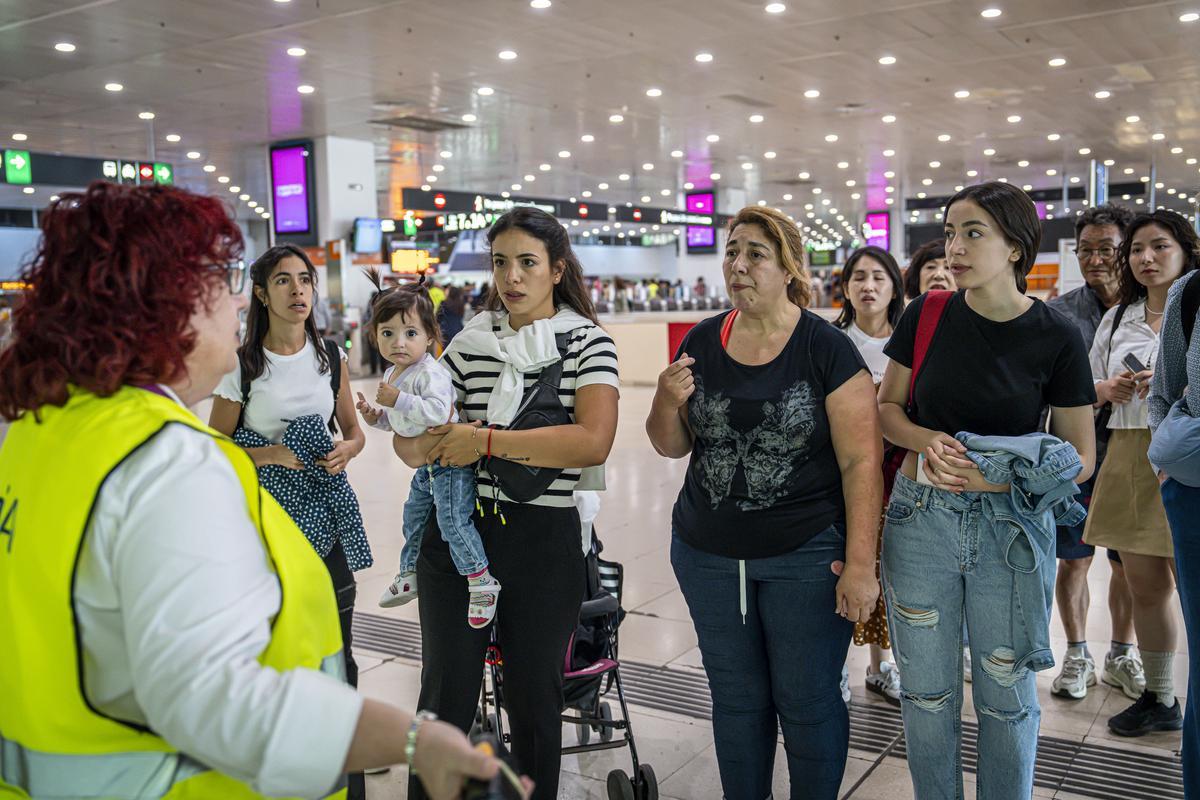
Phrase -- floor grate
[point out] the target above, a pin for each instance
(1086, 769)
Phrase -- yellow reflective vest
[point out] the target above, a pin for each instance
(53, 742)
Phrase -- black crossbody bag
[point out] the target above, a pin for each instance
(540, 408)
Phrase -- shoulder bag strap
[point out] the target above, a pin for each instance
(1191, 307)
(927, 325)
(335, 377)
(1113, 332)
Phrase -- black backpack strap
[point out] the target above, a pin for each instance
(335, 377)
(245, 392)
(1190, 307)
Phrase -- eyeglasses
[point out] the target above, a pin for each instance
(234, 274)
(1105, 253)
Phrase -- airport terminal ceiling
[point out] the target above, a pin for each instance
(863, 100)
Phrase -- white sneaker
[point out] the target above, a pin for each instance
(1078, 673)
(1125, 672)
(845, 685)
(966, 665)
(401, 590)
(885, 683)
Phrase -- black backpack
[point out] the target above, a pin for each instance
(335, 383)
(540, 408)
(1191, 307)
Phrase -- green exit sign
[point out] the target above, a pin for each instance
(163, 174)
(16, 167)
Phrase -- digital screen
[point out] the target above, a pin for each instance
(701, 236)
(289, 188)
(702, 203)
(368, 235)
(877, 229)
(820, 258)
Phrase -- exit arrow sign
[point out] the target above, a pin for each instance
(16, 167)
(163, 174)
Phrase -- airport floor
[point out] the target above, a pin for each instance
(634, 526)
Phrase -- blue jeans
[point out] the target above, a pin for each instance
(451, 490)
(942, 557)
(779, 667)
(1183, 512)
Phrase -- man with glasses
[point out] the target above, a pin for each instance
(1098, 236)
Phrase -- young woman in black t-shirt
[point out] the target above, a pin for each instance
(776, 410)
(996, 360)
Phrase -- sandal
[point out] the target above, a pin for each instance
(481, 604)
(401, 590)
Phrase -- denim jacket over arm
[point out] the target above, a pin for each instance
(1041, 470)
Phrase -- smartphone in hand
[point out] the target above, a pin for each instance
(1133, 364)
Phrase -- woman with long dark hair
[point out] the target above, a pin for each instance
(285, 373)
(539, 312)
(956, 543)
(1127, 513)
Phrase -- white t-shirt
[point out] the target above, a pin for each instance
(290, 387)
(871, 349)
(1134, 335)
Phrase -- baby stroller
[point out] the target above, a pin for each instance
(589, 675)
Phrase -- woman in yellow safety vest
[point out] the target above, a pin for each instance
(166, 629)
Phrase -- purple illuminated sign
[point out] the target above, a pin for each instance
(701, 236)
(702, 203)
(878, 229)
(290, 189)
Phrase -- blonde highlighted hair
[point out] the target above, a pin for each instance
(785, 236)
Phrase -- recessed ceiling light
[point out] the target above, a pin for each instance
(812, 94)
(210, 168)
(469, 118)
(297, 52)
(446, 154)
(28, 190)
(616, 118)
(756, 118)
(945, 137)
(173, 137)
(887, 61)
(1003, 180)
(544, 167)
(587, 138)
(1129, 170)
(934, 164)
(855, 196)
(831, 137)
(991, 151)
(990, 13)
(787, 198)
(624, 176)
(234, 189)
(972, 173)
(889, 200)
(304, 88)
(648, 167)
(716, 176)
(704, 58)
(747, 165)
(1053, 137)
(1022, 163)
(843, 165)
(1103, 94)
(507, 55)
(1028, 187)
(1158, 137)
(652, 92)
(539, 4)
(1085, 151)
(889, 174)
(1051, 172)
(1191, 161)
(438, 167)
(851, 183)
(1190, 16)
(530, 179)
(888, 119)
(146, 115)
(713, 138)
(1074, 179)
(223, 179)
(962, 94)
(1108, 162)
(921, 195)
(425, 187)
(665, 193)
(252, 204)
(243, 197)
(602, 186)
(803, 176)
(689, 186)
(1057, 62)
(564, 153)
(19, 137)
(927, 181)
(777, 8)
(113, 87)
(65, 47)
(53, 197)
(889, 153)
(1014, 118)
(769, 154)
(516, 187)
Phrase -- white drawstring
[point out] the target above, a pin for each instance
(742, 589)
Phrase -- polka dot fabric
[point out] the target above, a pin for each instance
(324, 506)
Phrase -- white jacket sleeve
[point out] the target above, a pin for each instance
(196, 597)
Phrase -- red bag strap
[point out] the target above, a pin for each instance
(727, 329)
(931, 314)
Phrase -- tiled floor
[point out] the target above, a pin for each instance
(634, 525)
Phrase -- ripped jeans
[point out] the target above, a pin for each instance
(942, 558)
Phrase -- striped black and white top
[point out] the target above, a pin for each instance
(591, 358)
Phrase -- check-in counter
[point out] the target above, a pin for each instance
(646, 340)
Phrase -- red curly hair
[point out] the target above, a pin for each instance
(117, 275)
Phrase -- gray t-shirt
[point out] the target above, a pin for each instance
(1083, 308)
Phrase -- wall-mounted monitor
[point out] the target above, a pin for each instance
(368, 236)
(702, 238)
(293, 198)
(877, 229)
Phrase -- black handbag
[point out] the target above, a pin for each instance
(540, 408)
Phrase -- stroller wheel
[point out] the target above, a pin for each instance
(583, 733)
(647, 788)
(606, 731)
(620, 787)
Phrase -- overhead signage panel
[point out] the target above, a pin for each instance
(45, 169)
(452, 202)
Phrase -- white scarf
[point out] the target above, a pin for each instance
(527, 350)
